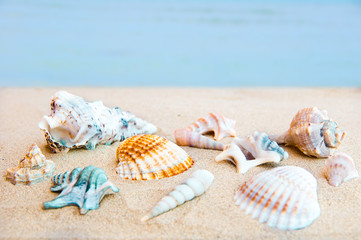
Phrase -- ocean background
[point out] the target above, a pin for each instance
(180, 43)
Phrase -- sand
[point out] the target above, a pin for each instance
(214, 214)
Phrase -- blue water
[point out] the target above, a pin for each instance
(180, 43)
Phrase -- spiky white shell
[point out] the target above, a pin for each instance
(75, 123)
(313, 132)
(340, 168)
(284, 197)
(192, 187)
(145, 157)
(32, 168)
(216, 123)
(252, 151)
(184, 137)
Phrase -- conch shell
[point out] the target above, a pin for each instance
(194, 186)
(75, 123)
(340, 168)
(82, 187)
(184, 137)
(145, 157)
(313, 132)
(284, 197)
(32, 168)
(216, 123)
(252, 151)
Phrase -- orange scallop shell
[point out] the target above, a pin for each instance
(145, 157)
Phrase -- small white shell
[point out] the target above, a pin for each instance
(252, 151)
(194, 186)
(340, 168)
(284, 197)
(184, 137)
(214, 122)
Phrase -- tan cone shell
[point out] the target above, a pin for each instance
(145, 157)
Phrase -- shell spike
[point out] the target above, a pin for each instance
(192, 187)
(252, 151)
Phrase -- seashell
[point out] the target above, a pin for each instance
(284, 197)
(313, 132)
(340, 168)
(75, 123)
(194, 186)
(216, 123)
(82, 187)
(252, 151)
(184, 137)
(145, 157)
(32, 168)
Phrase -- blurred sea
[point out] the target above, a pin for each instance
(180, 43)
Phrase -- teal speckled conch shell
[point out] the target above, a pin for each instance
(82, 187)
(76, 123)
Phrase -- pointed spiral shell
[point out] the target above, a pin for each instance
(192, 187)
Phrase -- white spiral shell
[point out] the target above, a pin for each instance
(284, 197)
(340, 168)
(192, 187)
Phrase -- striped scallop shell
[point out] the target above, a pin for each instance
(284, 197)
(145, 157)
(340, 168)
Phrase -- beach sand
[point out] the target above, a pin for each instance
(212, 215)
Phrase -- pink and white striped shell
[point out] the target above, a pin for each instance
(340, 168)
(184, 137)
(33, 168)
(216, 123)
(284, 197)
(313, 132)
